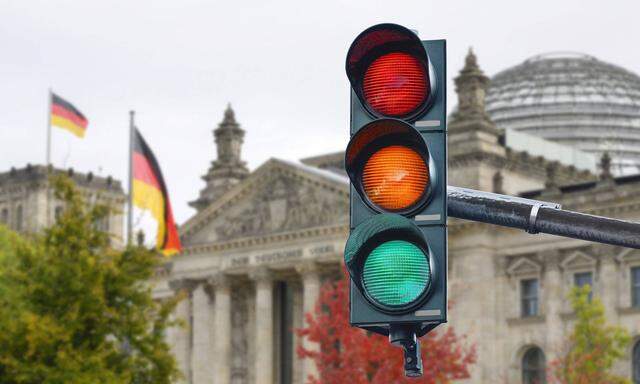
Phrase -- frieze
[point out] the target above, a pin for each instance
(275, 257)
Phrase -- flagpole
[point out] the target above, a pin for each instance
(48, 206)
(130, 210)
(49, 95)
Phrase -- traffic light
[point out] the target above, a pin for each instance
(396, 254)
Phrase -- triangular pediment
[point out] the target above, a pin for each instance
(578, 260)
(629, 256)
(524, 266)
(279, 196)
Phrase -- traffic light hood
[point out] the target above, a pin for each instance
(375, 132)
(389, 70)
(377, 39)
(375, 230)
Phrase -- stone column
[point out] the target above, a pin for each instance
(551, 304)
(608, 285)
(180, 335)
(222, 330)
(202, 358)
(311, 292)
(264, 327)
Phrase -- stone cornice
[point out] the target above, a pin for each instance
(322, 161)
(261, 274)
(465, 123)
(629, 310)
(520, 162)
(525, 321)
(273, 238)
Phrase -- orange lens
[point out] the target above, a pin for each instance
(395, 178)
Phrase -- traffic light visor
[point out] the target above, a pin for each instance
(390, 262)
(388, 163)
(388, 68)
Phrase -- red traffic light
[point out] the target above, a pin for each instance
(389, 164)
(388, 68)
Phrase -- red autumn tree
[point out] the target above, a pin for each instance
(351, 355)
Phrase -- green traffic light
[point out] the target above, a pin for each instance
(396, 273)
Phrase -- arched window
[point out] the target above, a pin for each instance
(534, 367)
(636, 363)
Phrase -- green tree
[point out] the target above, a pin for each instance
(593, 346)
(74, 310)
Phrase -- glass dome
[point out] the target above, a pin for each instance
(572, 99)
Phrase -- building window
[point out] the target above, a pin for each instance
(635, 287)
(58, 212)
(636, 363)
(584, 278)
(103, 224)
(19, 218)
(529, 297)
(5, 216)
(533, 367)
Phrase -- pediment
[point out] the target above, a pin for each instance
(524, 266)
(629, 256)
(277, 197)
(578, 260)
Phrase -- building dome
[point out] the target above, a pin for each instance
(572, 99)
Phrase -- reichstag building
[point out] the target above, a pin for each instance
(559, 127)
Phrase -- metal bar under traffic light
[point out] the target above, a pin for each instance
(536, 216)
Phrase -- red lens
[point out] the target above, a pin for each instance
(396, 84)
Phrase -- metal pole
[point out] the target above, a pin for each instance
(49, 96)
(536, 216)
(49, 194)
(130, 210)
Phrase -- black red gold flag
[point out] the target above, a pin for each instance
(66, 116)
(150, 192)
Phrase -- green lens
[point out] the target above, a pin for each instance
(396, 273)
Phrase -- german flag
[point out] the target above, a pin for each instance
(66, 116)
(150, 192)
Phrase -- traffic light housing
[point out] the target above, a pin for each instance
(396, 254)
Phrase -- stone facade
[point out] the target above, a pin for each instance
(28, 204)
(255, 258)
(252, 264)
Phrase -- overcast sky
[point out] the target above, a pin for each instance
(280, 64)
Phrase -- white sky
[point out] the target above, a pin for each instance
(280, 64)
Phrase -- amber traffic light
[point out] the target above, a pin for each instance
(388, 163)
(395, 177)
